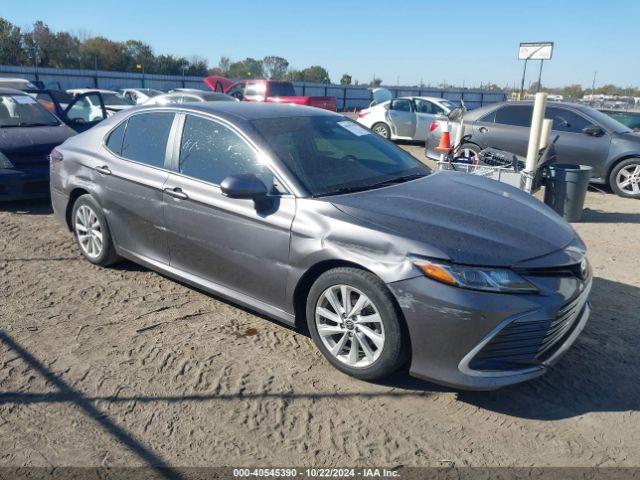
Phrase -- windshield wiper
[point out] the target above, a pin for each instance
(361, 188)
(405, 178)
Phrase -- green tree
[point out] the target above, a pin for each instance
(224, 65)
(247, 68)
(376, 82)
(275, 68)
(346, 79)
(316, 74)
(294, 76)
(11, 46)
(573, 91)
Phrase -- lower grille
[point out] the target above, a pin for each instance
(523, 343)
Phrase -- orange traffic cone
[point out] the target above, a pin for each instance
(445, 139)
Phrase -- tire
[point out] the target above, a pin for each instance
(382, 129)
(95, 242)
(380, 351)
(626, 171)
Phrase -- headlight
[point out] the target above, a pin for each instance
(5, 162)
(500, 280)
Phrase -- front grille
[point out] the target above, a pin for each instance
(528, 342)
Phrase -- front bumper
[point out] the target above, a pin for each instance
(22, 184)
(482, 341)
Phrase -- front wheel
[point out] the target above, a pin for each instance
(625, 178)
(382, 129)
(354, 323)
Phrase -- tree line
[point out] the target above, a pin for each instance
(40, 46)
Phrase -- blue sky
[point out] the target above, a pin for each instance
(470, 41)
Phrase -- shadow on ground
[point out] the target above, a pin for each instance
(598, 216)
(41, 206)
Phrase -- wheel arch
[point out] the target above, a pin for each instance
(616, 162)
(305, 282)
(73, 196)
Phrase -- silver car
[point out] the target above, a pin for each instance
(305, 216)
(404, 118)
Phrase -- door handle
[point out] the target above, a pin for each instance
(176, 192)
(483, 129)
(104, 170)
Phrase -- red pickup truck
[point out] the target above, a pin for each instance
(271, 91)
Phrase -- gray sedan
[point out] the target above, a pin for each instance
(314, 220)
(586, 137)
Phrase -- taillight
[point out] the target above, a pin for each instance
(433, 126)
(55, 156)
(363, 113)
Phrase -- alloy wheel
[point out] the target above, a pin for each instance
(350, 326)
(89, 231)
(381, 130)
(628, 179)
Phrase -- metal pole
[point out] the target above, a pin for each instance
(540, 76)
(593, 88)
(524, 73)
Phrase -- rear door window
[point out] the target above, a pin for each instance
(516, 115)
(146, 137)
(401, 105)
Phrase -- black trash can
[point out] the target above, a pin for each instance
(565, 189)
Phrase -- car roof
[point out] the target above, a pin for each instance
(431, 99)
(85, 90)
(11, 91)
(250, 110)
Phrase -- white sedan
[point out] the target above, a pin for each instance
(404, 118)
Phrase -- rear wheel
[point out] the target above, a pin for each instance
(92, 232)
(382, 129)
(354, 323)
(625, 178)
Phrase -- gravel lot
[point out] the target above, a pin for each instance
(123, 366)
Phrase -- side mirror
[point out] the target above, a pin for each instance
(245, 185)
(237, 95)
(593, 130)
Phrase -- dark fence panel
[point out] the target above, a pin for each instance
(349, 97)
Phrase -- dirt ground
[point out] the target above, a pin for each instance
(123, 366)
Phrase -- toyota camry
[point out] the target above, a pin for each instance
(314, 220)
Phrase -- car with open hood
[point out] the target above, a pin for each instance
(314, 220)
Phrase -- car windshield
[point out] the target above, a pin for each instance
(450, 105)
(150, 92)
(115, 99)
(217, 97)
(24, 111)
(607, 122)
(332, 155)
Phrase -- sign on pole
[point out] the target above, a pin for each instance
(535, 51)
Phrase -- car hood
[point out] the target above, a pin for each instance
(26, 139)
(472, 220)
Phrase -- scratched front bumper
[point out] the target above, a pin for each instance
(448, 325)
